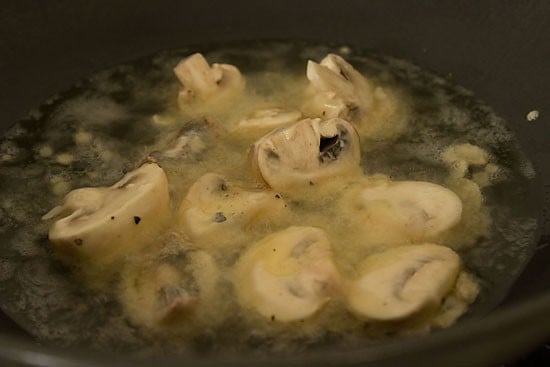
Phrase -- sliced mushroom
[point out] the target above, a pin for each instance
(102, 225)
(288, 275)
(220, 212)
(338, 90)
(403, 211)
(263, 121)
(403, 281)
(170, 289)
(201, 82)
(306, 153)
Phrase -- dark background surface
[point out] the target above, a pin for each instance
(499, 49)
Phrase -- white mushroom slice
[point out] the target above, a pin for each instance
(201, 82)
(403, 281)
(288, 275)
(340, 90)
(262, 121)
(219, 212)
(307, 153)
(104, 224)
(397, 212)
(168, 291)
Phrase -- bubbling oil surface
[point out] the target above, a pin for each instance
(105, 125)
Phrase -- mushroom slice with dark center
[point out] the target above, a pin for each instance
(201, 82)
(102, 225)
(219, 212)
(288, 275)
(403, 281)
(308, 152)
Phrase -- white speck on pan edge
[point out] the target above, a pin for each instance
(532, 115)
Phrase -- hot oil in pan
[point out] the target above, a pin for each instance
(105, 125)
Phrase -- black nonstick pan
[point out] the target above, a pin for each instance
(498, 49)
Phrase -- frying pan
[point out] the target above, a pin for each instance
(498, 49)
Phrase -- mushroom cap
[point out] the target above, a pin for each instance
(336, 89)
(219, 212)
(288, 275)
(339, 89)
(397, 212)
(201, 82)
(402, 281)
(104, 224)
